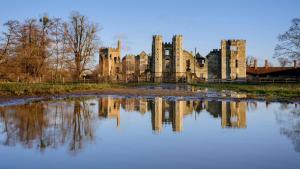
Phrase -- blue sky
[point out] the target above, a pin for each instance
(202, 23)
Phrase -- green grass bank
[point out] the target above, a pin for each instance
(273, 91)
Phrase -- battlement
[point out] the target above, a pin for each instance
(167, 43)
(157, 37)
(177, 36)
(233, 41)
(111, 49)
(216, 50)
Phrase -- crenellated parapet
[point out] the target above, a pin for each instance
(110, 62)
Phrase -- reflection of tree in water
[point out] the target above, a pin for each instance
(23, 124)
(82, 127)
(289, 120)
(48, 124)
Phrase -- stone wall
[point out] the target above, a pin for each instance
(157, 58)
(170, 62)
(110, 67)
(179, 70)
(233, 59)
(142, 63)
(214, 64)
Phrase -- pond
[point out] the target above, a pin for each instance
(149, 132)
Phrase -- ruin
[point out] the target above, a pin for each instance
(229, 62)
(110, 66)
(171, 63)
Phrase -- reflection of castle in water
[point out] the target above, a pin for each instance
(233, 114)
(166, 112)
(110, 108)
(171, 112)
(73, 123)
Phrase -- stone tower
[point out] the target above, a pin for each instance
(157, 58)
(119, 46)
(110, 63)
(178, 57)
(233, 59)
(170, 63)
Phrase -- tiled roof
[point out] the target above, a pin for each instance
(267, 70)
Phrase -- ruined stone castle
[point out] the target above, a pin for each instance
(169, 62)
(110, 66)
(229, 62)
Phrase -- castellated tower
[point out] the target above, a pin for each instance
(178, 57)
(110, 63)
(233, 59)
(171, 63)
(157, 58)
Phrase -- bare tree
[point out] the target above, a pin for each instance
(24, 49)
(250, 60)
(32, 49)
(8, 40)
(8, 47)
(82, 41)
(283, 61)
(59, 51)
(289, 46)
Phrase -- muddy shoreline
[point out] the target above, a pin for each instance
(144, 92)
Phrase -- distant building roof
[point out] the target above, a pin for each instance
(271, 70)
(199, 56)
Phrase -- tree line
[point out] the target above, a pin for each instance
(52, 49)
(47, 49)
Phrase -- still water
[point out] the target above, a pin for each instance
(124, 132)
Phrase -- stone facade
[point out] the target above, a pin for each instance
(142, 63)
(214, 64)
(171, 63)
(110, 66)
(229, 62)
(157, 58)
(128, 64)
(129, 68)
(136, 67)
(233, 60)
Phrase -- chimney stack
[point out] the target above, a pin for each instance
(266, 64)
(255, 64)
(295, 64)
(119, 45)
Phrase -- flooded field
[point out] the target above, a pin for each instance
(149, 132)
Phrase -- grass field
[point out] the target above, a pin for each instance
(286, 91)
(21, 89)
(268, 89)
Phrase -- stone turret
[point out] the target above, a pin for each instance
(178, 56)
(157, 57)
(119, 45)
